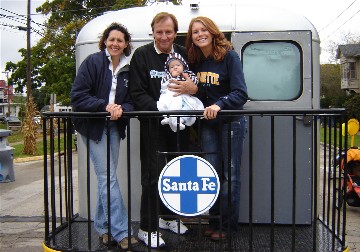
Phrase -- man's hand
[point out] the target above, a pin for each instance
(183, 87)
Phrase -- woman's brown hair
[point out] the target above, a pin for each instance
(220, 44)
(120, 28)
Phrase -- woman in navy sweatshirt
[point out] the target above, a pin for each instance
(221, 87)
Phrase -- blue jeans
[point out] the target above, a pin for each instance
(118, 212)
(215, 143)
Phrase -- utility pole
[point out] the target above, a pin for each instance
(28, 67)
(8, 90)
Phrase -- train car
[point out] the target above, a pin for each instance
(280, 51)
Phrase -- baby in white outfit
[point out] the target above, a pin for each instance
(175, 66)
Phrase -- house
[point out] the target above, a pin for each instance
(6, 99)
(349, 56)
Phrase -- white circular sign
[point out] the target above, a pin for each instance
(188, 185)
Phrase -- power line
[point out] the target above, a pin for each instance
(21, 28)
(337, 16)
(342, 24)
(18, 15)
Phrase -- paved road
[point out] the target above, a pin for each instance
(21, 211)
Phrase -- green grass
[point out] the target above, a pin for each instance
(322, 137)
(16, 140)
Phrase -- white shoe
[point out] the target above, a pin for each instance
(143, 236)
(173, 226)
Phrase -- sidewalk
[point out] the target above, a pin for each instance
(21, 211)
(22, 207)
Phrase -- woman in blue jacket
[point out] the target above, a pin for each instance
(101, 85)
(221, 87)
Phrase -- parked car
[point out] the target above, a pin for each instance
(37, 119)
(13, 123)
(12, 119)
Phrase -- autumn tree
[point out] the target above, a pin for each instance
(330, 86)
(53, 57)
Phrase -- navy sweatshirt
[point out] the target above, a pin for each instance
(222, 83)
(90, 93)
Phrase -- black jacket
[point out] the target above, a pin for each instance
(146, 72)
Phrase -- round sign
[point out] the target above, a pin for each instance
(353, 127)
(188, 185)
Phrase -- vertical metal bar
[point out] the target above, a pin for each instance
(67, 151)
(52, 180)
(66, 173)
(46, 185)
(325, 166)
(108, 178)
(149, 179)
(333, 207)
(59, 169)
(345, 181)
(88, 186)
(230, 206)
(222, 178)
(69, 190)
(293, 233)
(337, 171)
(272, 232)
(328, 176)
(251, 185)
(315, 182)
(128, 155)
(178, 138)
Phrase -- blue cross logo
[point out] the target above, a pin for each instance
(188, 185)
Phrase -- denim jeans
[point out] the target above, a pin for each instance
(214, 141)
(118, 211)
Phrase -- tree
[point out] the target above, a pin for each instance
(330, 86)
(53, 57)
(353, 106)
(345, 38)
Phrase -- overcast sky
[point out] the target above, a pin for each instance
(330, 17)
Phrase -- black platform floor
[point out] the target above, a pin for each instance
(195, 241)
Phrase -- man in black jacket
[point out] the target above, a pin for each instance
(146, 72)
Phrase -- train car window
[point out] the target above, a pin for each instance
(272, 70)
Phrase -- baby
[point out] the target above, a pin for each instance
(175, 66)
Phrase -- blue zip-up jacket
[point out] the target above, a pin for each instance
(90, 93)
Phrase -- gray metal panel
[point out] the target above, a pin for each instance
(283, 168)
(283, 145)
(303, 39)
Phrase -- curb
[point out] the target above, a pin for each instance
(28, 159)
(34, 158)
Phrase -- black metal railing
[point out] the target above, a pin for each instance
(307, 178)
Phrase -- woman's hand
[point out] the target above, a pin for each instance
(115, 111)
(211, 111)
(183, 87)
